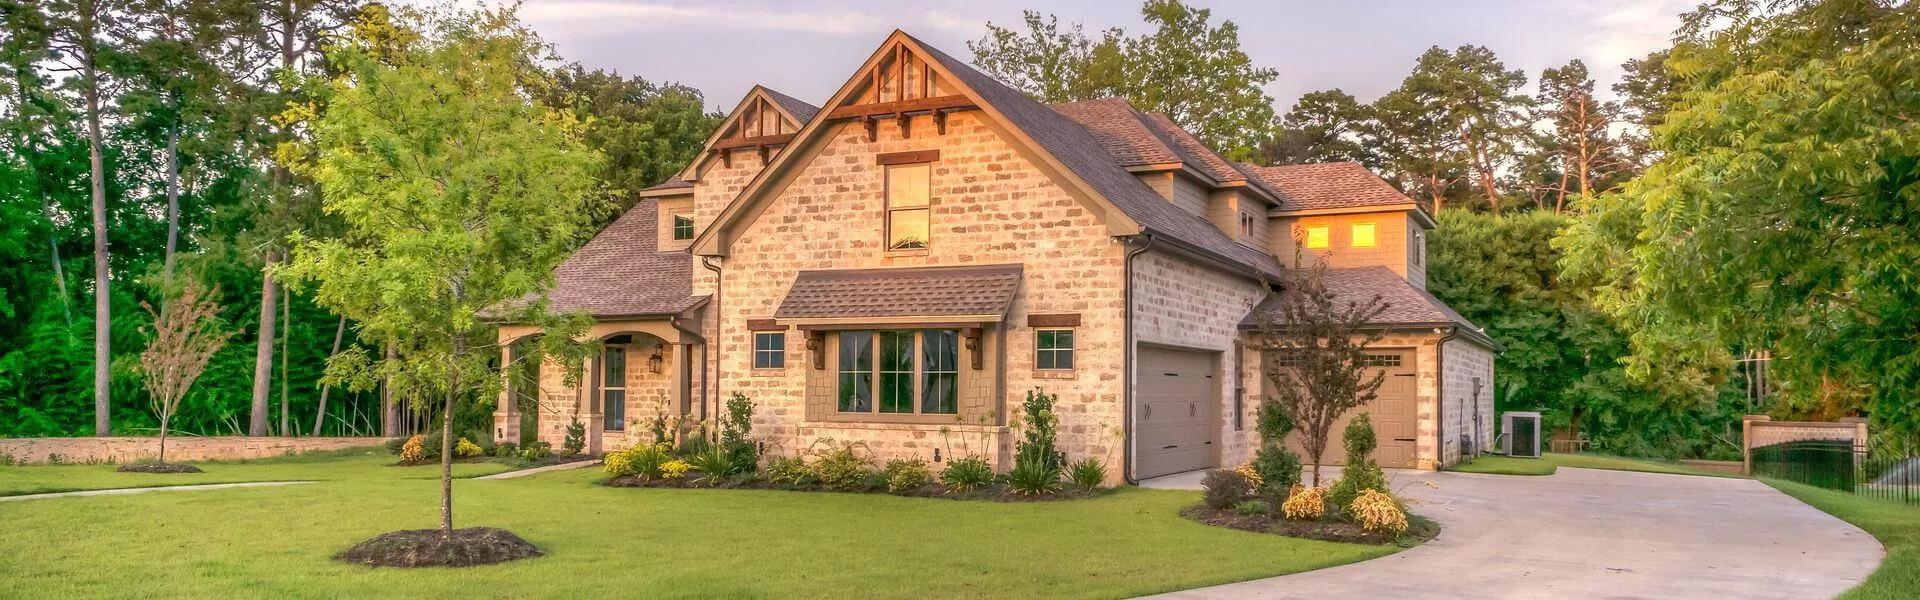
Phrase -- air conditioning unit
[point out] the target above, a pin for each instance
(1522, 434)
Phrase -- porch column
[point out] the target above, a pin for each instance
(590, 404)
(682, 388)
(506, 427)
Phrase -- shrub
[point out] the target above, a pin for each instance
(1041, 425)
(1253, 476)
(618, 464)
(394, 445)
(1278, 467)
(734, 432)
(1033, 478)
(967, 474)
(1251, 507)
(536, 450)
(649, 460)
(1224, 488)
(659, 430)
(466, 449)
(1378, 512)
(1308, 504)
(675, 469)
(506, 450)
(1087, 473)
(576, 438)
(694, 443)
(1361, 472)
(414, 450)
(842, 467)
(714, 464)
(789, 470)
(906, 475)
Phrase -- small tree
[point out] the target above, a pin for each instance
(186, 334)
(1314, 349)
(1278, 467)
(1361, 472)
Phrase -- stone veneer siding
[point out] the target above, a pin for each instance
(1466, 360)
(1180, 304)
(179, 448)
(990, 205)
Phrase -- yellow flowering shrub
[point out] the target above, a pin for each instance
(414, 450)
(674, 469)
(618, 464)
(1306, 504)
(1252, 476)
(1377, 512)
(465, 449)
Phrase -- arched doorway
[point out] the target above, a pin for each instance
(631, 382)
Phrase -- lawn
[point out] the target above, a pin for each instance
(1550, 462)
(317, 466)
(630, 541)
(1896, 525)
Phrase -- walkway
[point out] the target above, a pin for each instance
(142, 490)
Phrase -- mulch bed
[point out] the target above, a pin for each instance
(159, 468)
(1419, 529)
(511, 462)
(994, 493)
(430, 548)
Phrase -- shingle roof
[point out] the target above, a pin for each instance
(620, 272)
(1329, 185)
(797, 107)
(670, 184)
(1082, 153)
(1405, 304)
(1136, 138)
(971, 290)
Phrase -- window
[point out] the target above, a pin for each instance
(1419, 248)
(1053, 349)
(919, 372)
(613, 388)
(1363, 235)
(1246, 226)
(1317, 237)
(908, 189)
(683, 227)
(770, 350)
(1380, 360)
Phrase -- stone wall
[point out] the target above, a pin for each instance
(1465, 361)
(1178, 303)
(179, 448)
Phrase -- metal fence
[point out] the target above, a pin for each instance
(1884, 472)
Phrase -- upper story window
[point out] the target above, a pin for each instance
(1363, 235)
(909, 188)
(899, 372)
(1317, 236)
(1419, 252)
(1246, 226)
(683, 227)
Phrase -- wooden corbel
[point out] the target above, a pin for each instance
(763, 154)
(940, 121)
(873, 127)
(726, 158)
(905, 121)
(976, 351)
(817, 349)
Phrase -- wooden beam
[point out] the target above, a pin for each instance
(907, 158)
(777, 139)
(854, 111)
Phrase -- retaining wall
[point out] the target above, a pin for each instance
(180, 448)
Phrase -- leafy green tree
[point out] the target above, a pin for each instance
(459, 193)
(1187, 68)
(1581, 142)
(1323, 126)
(646, 131)
(1457, 117)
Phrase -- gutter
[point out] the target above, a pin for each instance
(1126, 361)
(1440, 398)
(719, 285)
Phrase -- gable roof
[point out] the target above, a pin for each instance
(796, 112)
(801, 112)
(1406, 306)
(1331, 185)
(622, 273)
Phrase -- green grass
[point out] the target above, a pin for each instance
(1548, 463)
(672, 543)
(317, 466)
(1896, 525)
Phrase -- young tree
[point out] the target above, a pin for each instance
(186, 334)
(459, 194)
(1051, 64)
(1313, 349)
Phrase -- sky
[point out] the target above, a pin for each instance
(807, 49)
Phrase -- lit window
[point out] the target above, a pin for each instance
(770, 350)
(919, 372)
(683, 227)
(1363, 235)
(1053, 349)
(1317, 237)
(908, 187)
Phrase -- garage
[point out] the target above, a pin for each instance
(1173, 411)
(1394, 410)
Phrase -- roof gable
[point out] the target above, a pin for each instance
(764, 120)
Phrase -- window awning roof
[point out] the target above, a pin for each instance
(966, 294)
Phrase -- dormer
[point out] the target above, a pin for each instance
(756, 131)
(1344, 214)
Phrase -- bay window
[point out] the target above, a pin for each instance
(899, 372)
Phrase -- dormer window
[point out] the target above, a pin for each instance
(682, 227)
(909, 187)
(1363, 235)
(1317, 237)
(1246, 226)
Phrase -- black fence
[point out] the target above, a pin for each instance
(1886, 473)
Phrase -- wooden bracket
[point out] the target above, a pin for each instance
(726, 158)
(976, 351)
(940, 121)
(817, 349)
(872, 126)
(764, 150)
(905, 122)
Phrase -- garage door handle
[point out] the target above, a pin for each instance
(1169, 447)
(1404, 439)
(1149, 411)
(1192, 410)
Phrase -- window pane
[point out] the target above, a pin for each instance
(613, 367)
(856, 371)
(939, 386)
(896, 371)
(1316, 237)
(1053, 349)
(908, 185)
(1363, 235)
(614, 409)
(769, 350)
(682, 227)
(907, 229)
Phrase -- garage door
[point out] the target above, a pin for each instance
(1172, 411)
(1395, 414)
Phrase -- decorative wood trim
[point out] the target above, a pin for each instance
(765, 325)
(976, 350)
(907, 158)
(817, 349)
(1054, 320)
(889, 326)
(778, 139)
(954, 101)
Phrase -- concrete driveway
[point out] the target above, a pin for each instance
(1583, 533)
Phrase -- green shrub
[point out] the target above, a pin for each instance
(715, 464)
(1361, 473)
(1224, 488)
(576, 438)
(735, 430)
(394, 445)
(1039, 431)
(842, 466)
(659, 430)
(789, 470)
(1087, 473)
(906, 475)
(648, 460)
(1033, 479)
(466, 449)
(536, 450)
(693, 443)
(506, 450)
(1251, 507)
(1278, 467)
(967, 474)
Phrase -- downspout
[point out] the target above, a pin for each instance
(719, 285)
(1440, 398)
(1126, 366)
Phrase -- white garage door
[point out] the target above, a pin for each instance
(1172, 411)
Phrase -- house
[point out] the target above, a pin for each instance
(902, 264)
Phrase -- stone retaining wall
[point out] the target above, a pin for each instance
(182, 448)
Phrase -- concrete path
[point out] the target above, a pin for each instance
(142, 490)
(578, 464)
(1584, 533)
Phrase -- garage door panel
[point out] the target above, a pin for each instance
(1172, 428)
(1394, 412)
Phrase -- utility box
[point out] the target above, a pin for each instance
(1522, 437)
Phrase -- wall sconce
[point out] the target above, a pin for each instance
(659, 358)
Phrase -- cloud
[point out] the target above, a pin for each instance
(601, 16)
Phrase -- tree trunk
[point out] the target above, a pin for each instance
(173, 205)
(263, 350)
(53, 244)
(102, 280)
(164, 417)
(389, 411)
(286, 336)
(320, 414)
(446, 437)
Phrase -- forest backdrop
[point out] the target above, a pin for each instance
(1747, 192)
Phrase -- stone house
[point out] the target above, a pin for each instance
(901, 265)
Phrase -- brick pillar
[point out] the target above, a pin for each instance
(1746, 441)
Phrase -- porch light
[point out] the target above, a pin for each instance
(659, 358)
